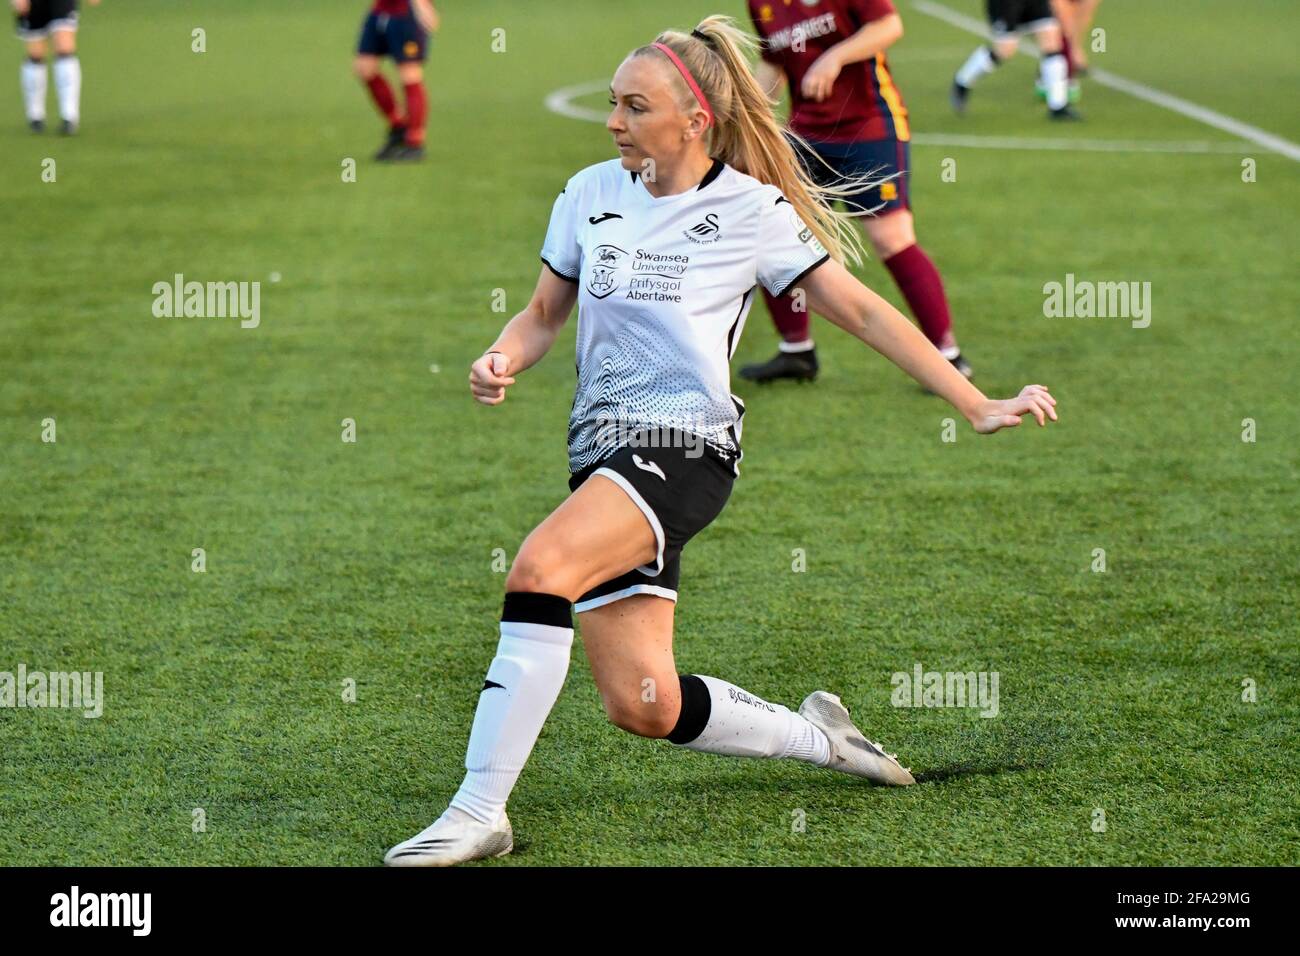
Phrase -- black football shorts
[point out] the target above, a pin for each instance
(1010, 18)
(680, 484)
(47, 16)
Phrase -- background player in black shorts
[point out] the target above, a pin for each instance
(1008, 20)
(40, 21)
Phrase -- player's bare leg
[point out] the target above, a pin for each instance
(598, 533)
(35, 83)
(67, 78)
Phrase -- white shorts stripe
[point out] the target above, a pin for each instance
(627, 592)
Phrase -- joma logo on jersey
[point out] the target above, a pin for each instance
(706, 232)
(605, 262)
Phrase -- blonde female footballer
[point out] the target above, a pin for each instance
(663, 249)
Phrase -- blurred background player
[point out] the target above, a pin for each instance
(1075, 18)
(56, 21)
(399, 29)
(1009, 19)
(845, 106)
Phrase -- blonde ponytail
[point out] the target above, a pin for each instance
(746, 134)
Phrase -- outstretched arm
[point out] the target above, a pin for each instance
(525, 339)
(834, 292)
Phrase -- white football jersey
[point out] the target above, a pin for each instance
(665, 284)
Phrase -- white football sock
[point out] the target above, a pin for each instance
(529, 670)
(979, 63)
(34, 80)
(67, 80)
(742, 725)
(1055, 73)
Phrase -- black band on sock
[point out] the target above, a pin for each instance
(528, 607)
(697, 705)
(66, 56)
(38, 60)
(1060, 52)
(993, 55)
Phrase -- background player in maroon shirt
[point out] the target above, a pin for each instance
(850, 123)
(399, 29)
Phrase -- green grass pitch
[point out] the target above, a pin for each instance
(372, 562)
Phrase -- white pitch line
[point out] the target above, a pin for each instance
(1133, 88)
(561, 102)
(1076, 145)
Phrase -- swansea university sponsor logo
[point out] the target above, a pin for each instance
(647, 276)
(657, 277)
(706, 232)
(605, 278)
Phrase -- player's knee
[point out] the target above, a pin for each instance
(1005, 49)
(364, 68)
(410, 73)
(886, 247)
(537, 569)
(637, 716)
(892, 235)
(1049, 40)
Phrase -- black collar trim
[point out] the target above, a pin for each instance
(714, 172)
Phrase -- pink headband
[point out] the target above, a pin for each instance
(690, 80)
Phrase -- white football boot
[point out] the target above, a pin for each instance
(851, 752)
(453, 839)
